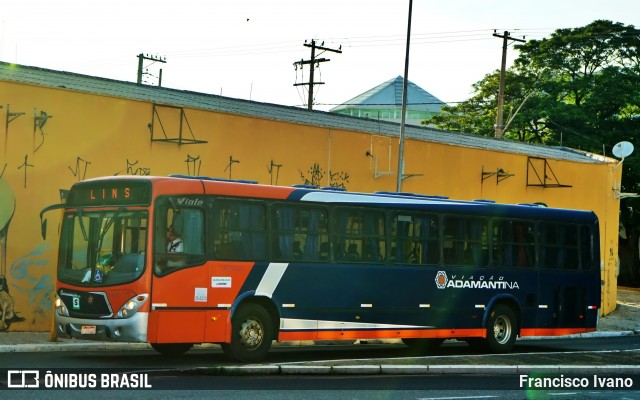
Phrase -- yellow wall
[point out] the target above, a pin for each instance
(92, 135)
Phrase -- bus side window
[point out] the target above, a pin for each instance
(571, 256)
(560, 246)
(415, 239)
(586, 248)
(189, 225)
(347, 231)
(298, 233)
(465, 241)
(359, 235)
(179, 237)
(239, 230)
(513, 243)
(374, 244)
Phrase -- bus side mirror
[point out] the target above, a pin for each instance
(43, 221)
(43, 228)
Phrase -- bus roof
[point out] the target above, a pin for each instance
(100, 191)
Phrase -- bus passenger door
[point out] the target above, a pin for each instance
(180, 279)
(562, 286)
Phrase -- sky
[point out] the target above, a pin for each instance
(246, 49)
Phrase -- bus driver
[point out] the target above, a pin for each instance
(174, 241)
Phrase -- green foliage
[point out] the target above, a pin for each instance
(578, 88)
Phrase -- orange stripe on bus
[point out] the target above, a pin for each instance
(554, 331)
(234, 189)
(380, 334)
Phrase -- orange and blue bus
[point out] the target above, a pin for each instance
(259, 263)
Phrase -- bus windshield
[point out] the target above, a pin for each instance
(102, 248)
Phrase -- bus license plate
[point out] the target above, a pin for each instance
(88, 330)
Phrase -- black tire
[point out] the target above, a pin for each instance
(422, 346)
(172, 349)
(251, 334)
(502, 329)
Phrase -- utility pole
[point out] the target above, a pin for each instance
(313, 62)
(405, 80)
(141, 58)
(505, 39)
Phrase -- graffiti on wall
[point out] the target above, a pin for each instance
(338, 179)
(81, 168)
(133, 169)
(38, 123)
(193, 165)
(274, 172)
(315, 174)
(7, 209)
(25, 165)
(230, 165)
(35, 285)
(26, 274)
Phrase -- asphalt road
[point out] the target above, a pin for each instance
(620, 350)
(436, 387)
(189, 376)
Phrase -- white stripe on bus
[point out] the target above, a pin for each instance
(310, 324)
(271, 279)
(329, 197)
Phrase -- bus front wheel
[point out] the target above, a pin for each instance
(251, 334)
(501, 329)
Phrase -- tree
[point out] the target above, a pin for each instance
(578, 88)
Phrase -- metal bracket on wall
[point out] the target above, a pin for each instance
(177, 138)
(409, 176)
(10, 117)
(39, 120)
(543, 173)
(500, 175)
(376, 173)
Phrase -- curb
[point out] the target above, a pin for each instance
(118, 346)
(245, 370)
(56, 346)
(584, 335)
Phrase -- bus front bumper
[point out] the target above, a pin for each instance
(132, 329)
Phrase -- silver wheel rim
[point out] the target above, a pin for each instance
(502, 329)
(251, 334)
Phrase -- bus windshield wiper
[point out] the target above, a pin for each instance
(82, 228)
(108, 224)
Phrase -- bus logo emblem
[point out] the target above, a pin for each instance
(441, 279)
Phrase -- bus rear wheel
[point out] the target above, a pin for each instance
(501, 329)
(172, 349)
(251, 334)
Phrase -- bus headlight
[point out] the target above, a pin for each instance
(132, 306)
(61, 309)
